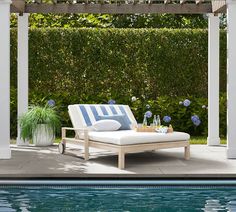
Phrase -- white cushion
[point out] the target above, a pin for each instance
(106, 125)
(129, 137)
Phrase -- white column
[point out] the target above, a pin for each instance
(231, 79)
(22, 58)
(5, 151)
(213, 79)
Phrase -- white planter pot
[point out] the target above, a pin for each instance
(43, 136)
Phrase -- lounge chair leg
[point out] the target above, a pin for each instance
(86, 146)
(86, 153)
(187, 152)
(121, 160)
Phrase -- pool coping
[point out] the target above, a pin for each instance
(118, 183)
(118, 180)
(118, 177)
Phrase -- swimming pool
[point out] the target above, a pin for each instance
(166, 196)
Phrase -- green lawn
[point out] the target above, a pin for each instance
(203, 140)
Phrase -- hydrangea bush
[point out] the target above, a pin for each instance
(185, 114)
(191, 119)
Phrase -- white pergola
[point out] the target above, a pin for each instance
(212, 8)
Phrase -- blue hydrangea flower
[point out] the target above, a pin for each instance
(148, 114)
(148, 106)
(194, 117)
(51, 103)
(186, 102)
(111, 102)
(167, 119)
(196, 120)
(133, 99)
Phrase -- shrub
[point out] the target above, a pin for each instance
(163, 106)
(38, 115)
(159, 66)
(96, 63)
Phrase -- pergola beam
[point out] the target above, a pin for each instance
(182, 1)
(18, 5)
(117, 9)
(219, 6)
(167, 1)
(199, 1)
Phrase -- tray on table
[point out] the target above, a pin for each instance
(145, 129)
(150, 129)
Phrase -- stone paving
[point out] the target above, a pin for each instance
(40, 161)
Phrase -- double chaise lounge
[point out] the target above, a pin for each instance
(121, 142)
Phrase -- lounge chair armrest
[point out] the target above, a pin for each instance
(77, 131)
(71, 128)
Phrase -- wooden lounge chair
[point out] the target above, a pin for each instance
(121, 141)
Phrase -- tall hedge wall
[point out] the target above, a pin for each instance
(94, 65)
(119, 62)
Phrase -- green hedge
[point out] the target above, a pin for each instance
(95, 65)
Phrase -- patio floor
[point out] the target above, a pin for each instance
(46, 161)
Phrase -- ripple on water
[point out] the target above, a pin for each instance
(108, 199)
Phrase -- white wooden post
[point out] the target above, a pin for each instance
(5, 151)
(22, 90)
(231, 79)
(213, 80)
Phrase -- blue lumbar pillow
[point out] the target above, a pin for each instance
(122, 119)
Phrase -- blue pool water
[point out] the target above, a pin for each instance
(122, 198)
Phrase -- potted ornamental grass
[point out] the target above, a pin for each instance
(40, 124)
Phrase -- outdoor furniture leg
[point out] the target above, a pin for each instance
(62, 144)
(121, 160)
(187, 152)
(86, 146)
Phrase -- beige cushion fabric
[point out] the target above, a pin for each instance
(128, 137)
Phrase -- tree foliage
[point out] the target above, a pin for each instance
(115, 21)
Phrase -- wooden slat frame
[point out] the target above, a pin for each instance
(167, 1)
(117, 9)
(18, 5)
(38, 1)
(219, 6)
(121, 150)
(182, 1)
(199, 1)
